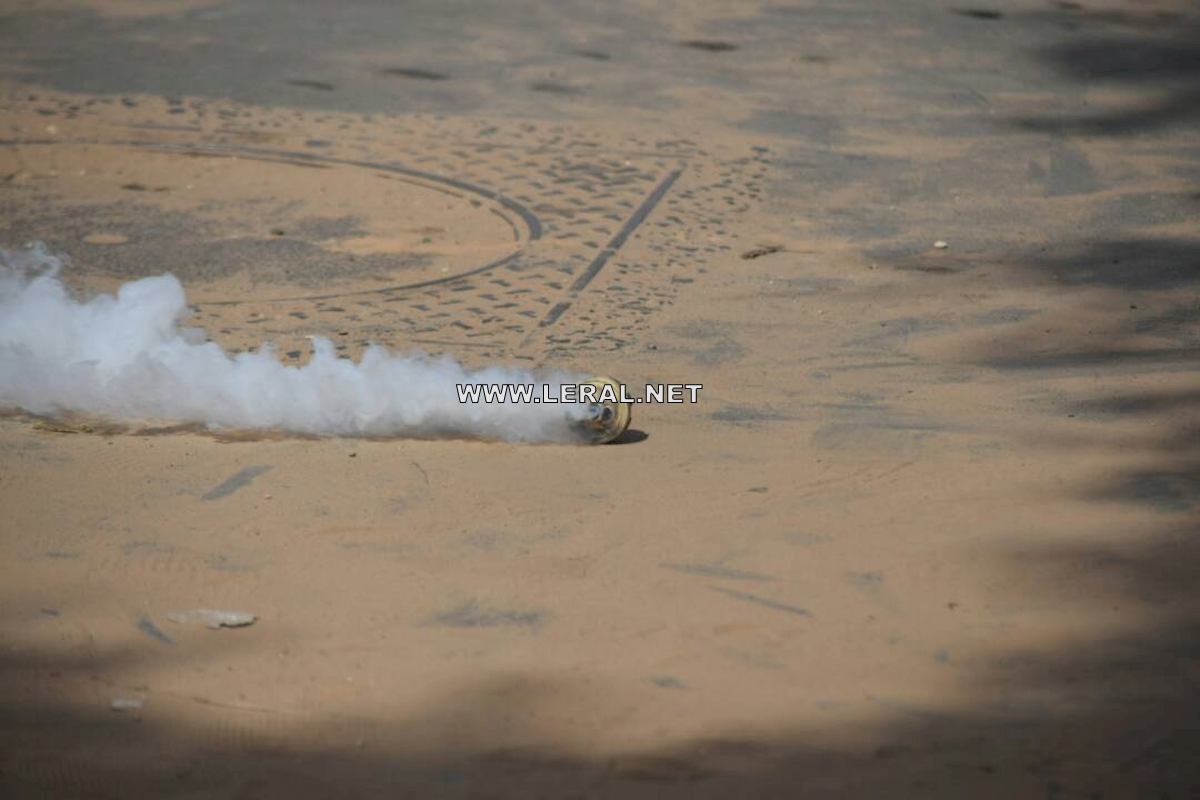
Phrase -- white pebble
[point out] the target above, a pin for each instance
(127, 704)
(212, 618)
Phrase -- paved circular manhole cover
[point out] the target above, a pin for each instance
(508, 238)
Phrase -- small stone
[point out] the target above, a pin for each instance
(940, 245)
(762, 250)
(123, 704)
(212, 618)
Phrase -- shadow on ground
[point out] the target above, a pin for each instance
(1108, 716)
(1151, 57)
(1113, 713)
(1139, 246)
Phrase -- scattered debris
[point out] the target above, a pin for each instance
(763, 601)
(415, 73)
(123, 704)
(762, 250)
(212, 618)
(239, 479)
(473, 615)
(147, 626)
(709, 45)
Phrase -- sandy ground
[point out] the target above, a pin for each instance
(930, 531)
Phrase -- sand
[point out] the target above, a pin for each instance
(930, 530)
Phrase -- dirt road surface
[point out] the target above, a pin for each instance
(930, 531)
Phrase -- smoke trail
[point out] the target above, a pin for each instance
(125, 357)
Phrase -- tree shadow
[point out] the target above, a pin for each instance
(1110, 717)
(1133, 263)
(1157, 328)
(1156, 56)
(1111, 712)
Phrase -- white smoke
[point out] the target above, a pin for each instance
(126, 358)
